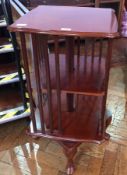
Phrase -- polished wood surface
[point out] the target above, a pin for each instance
(68, 21)
(119, 51)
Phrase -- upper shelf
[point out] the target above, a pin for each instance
(87, 77)
(87, 119)
(103, 22)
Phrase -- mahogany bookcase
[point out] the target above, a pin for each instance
(68, 83)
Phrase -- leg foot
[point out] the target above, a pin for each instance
(107, 136)
(70, 149)
(70, 169)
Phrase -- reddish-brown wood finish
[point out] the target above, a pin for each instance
(68, 90)
(64, 23)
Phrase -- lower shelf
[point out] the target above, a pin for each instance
(82, 124)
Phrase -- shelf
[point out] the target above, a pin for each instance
(14, 114)
(9, 74)
(5, 45)
(88, 81)
(10, 97)
(11, 103)
(86, 119)
(7, 68)
(11, 107)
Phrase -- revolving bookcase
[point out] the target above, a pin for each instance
(68, 79)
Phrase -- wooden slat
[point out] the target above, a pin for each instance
(26, 67)
(57, 65)
(70, 68)
(36, 60)
(100, 50)
(48, 80)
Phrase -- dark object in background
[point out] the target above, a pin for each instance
(25, 2)
(124, 24)
(126, 4)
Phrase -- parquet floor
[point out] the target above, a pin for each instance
(22, 155)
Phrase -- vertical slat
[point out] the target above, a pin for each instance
(93, 53)
(86, 53)
(57, 65)
(99, 54)
(70, 53)
(93, 49)
(107, 69)
(78, 46)
(26, 67)
(36, 60)
(100, 50)
(78, 52)
(70, 68)
(48, 80)
(76, 99)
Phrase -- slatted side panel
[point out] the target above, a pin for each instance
(27, 71)
(100, 49)
(75, 49)
(44, 42)
(94, 51)
(36, 59)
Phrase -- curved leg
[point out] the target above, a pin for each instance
(70, 149)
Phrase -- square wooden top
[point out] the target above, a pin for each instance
(63, 20)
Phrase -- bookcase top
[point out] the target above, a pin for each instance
(63, 20)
